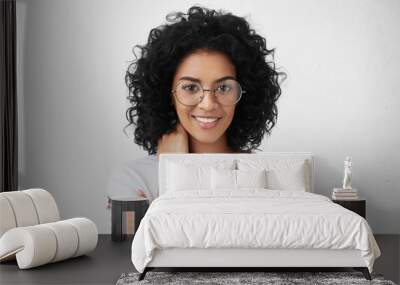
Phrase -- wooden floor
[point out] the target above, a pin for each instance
(111, 259)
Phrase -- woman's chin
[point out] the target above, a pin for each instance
(205, 138)
(205, 134)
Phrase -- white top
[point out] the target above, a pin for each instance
(135, 176)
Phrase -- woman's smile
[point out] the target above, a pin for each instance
(206, 122)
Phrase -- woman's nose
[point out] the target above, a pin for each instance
(209, 102)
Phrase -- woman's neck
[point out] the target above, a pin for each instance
(219, 146)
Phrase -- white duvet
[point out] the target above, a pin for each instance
(250, 218)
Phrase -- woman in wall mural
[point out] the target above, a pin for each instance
(202, 84)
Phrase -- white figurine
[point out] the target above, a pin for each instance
(347, 173)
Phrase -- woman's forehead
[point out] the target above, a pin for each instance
(205, 66)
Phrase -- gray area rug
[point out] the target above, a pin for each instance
(228, 278)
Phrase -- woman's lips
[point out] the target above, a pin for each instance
(206, 122)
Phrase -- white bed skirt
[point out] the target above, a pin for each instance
(253, 257)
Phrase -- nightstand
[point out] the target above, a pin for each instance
(358, 206)
(121, 204)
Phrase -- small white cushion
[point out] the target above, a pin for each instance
(223, 179)
(251, 178)
(185, 175)
(282, 174)
(292, 178)
(228, 179)
(184, 178)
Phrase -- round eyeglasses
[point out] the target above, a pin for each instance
(190, 93)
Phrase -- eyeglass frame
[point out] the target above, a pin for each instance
(210, 90)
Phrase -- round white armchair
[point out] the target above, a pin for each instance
(31, 231)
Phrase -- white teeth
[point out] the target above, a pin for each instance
(206, 120)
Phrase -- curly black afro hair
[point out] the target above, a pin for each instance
(150, 77)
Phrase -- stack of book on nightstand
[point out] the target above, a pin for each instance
(344, 194)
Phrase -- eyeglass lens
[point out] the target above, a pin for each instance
(227, 92)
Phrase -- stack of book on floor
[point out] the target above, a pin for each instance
(344, 194)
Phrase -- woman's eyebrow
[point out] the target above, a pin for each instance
(198, 80)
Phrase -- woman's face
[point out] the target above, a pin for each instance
(207, 67)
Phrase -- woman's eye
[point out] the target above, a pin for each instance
(224, 88)
(190, 87)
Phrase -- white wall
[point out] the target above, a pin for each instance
(339, 99)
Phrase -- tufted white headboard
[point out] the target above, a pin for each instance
(210, 157)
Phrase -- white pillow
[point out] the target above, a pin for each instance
(187, 175)
(223, 179)
(251, 178)
(282, 174)
(229, 179)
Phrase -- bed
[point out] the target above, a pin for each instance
(245, 211)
